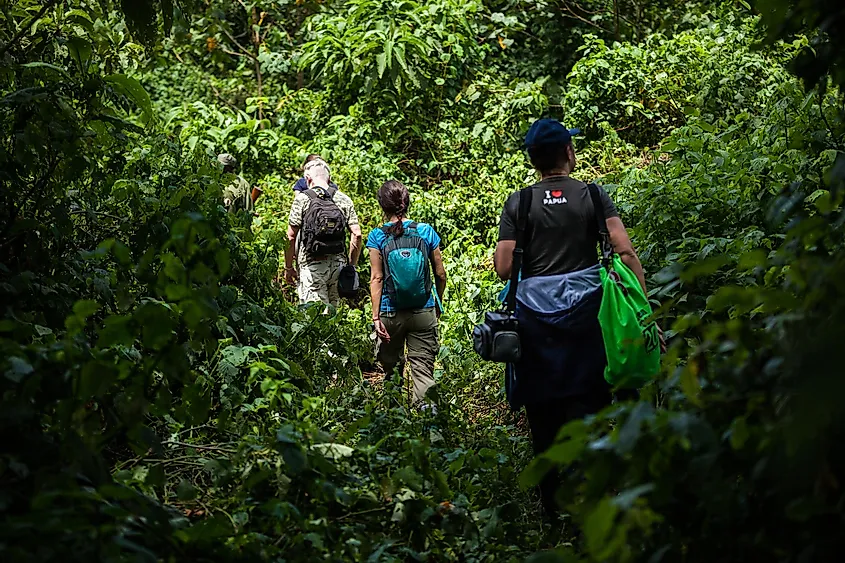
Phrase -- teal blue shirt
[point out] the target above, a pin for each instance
(376, 239)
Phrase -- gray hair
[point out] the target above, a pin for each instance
(227, 159)
(318, 170)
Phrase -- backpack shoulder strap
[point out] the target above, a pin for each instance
(601, 224)
(330, 191)
(412, 225)
(311, 194)
(525, 197)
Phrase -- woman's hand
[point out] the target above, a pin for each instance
(291, 275)
(381, 331)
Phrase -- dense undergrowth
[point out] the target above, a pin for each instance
(163, 400)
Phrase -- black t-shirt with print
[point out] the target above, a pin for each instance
(561, 233)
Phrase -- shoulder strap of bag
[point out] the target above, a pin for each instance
(601, 224)
(525, 197)
(310, 192)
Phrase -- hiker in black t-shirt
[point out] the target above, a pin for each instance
(560, 377)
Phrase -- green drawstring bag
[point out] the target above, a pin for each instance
(631, 338)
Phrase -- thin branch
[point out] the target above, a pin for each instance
(269, 26)
(616, 13)
(25, 28)
(220, 96)
(201, 447)
(585, 10)
(258, 21)
(100, 213)
(238, 45)
(581, 18)
(378, 509)
(228, 52)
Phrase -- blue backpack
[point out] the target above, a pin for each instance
(407, 276)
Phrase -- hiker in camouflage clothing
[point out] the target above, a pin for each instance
(237, 194)
(318, 274)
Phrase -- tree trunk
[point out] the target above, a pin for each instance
(256, 42)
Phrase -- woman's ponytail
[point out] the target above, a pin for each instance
(394, 199)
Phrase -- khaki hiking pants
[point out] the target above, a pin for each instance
(318, 280)
(417, 329)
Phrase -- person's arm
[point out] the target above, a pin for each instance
(297, 210)
(376, 285)
(622, 246)
(439, 273)
(354, 244)
(290, 254)
(347, 207)
(503, 259)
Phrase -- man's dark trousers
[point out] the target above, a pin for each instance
(545, 420)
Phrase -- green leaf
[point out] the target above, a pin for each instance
(48, 66)
(236, 355)
(185, 490)
(534, 472)
(690, 384)
(333, 451)
(79, 15)
(19, 368)
(167, 15)
(84, 308)
(598, 525)
(626, 499)
(95, 379)
(381, 63)
(197, 403)
(294, 458)
(115, 332)
(408, 476)
(629, 433)
(739, 433)
(80, 51)
(155, 476)
(133, 90)
(157, 324)
(42, 330)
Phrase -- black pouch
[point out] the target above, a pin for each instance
(497, 338)
(348, 284)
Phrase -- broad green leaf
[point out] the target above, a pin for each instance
(380, 62)
(333, 451)
(115, 332)
(132, 89)
(626, 499)
(186, 491)
(80, 51)
(19, 368)
(48, 66)
(598, 525)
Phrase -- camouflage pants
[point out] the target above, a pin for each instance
(318, 281)
(417, 329)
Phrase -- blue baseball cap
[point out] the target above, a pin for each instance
(548, 132)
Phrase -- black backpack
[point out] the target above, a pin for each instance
(323, 226)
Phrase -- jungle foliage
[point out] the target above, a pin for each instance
(164, 400)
